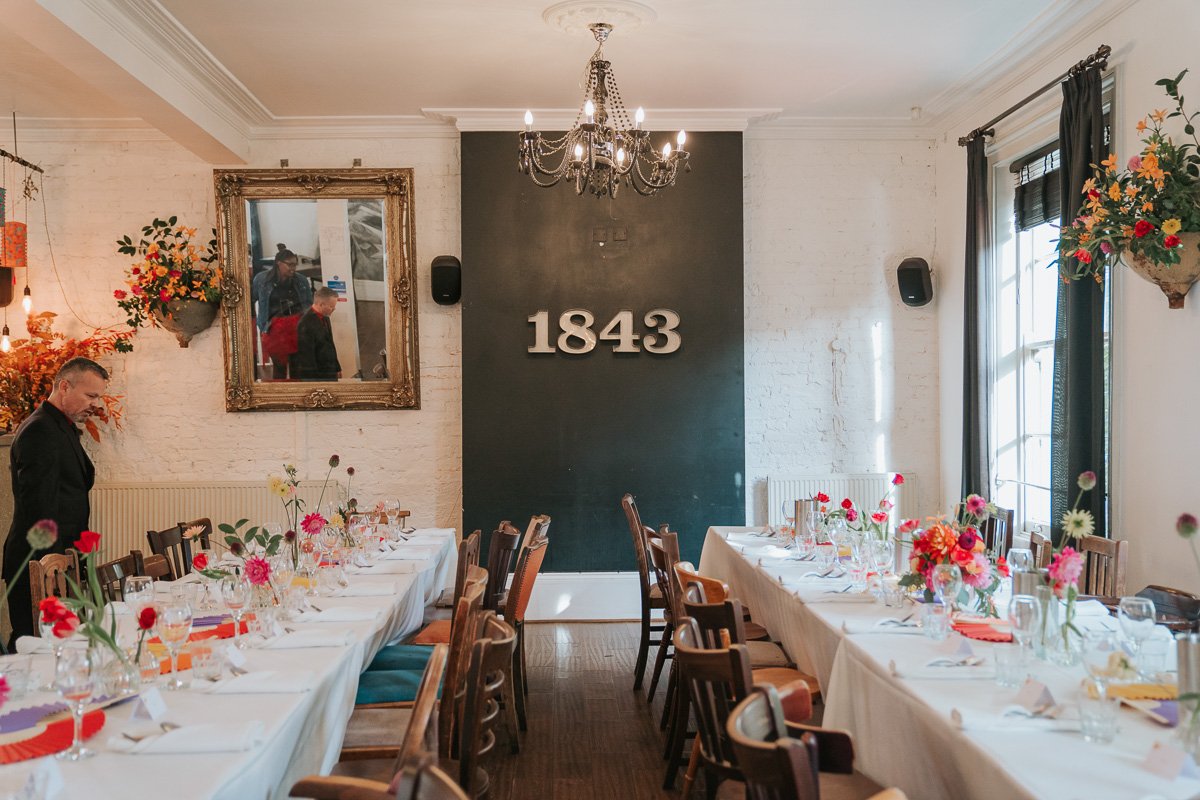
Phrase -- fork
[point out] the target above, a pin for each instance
(167, 727)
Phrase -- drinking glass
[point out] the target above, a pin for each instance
(282, 571)
(1009, 666)
(826, 555)
(935, 620)
(1101, 656)
(329, 538)
(392, 509)
(236, 595)
(73, 681)
(1025, 615)
(206, 662)
(1020, 559)
(882, 555)
(856, 569)
(174, 627)
(1136, 615)
(139, 593)
(18, 671)
(57, 646)
(1098, 718)
(947, 583)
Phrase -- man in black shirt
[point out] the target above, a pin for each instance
(316, 356)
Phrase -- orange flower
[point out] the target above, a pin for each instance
(1110, 163)
(1159, 116)
(1141, 126)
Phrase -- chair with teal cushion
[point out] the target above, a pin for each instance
(401, 656)
(388, 686)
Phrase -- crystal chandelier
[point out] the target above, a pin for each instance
(603, 149)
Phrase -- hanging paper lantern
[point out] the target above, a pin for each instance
(3, 218)
(16, 245)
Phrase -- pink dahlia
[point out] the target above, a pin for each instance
(258, 571)
(312, 524)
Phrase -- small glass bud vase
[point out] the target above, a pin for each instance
(1187, 648)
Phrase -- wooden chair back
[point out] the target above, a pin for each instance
(153, 566)
(637, 532)
(464, 625)
(421, 735)
(1177, 603)
(538, 527)
(1040, 547)
(715, 591)
(172, 545)
(664, 555)
(420, 780)
(523, 581)
(775, 766)
(204, 536)
(997, 532)
(501, 549)
(491, 655)
(468, 556)
(714, 618)
(112, 575)
(48, 578)
(717, 679)
(1104, 566)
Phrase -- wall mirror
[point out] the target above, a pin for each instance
(319, 285)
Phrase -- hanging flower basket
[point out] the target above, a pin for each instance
(185, 318)
(1174, 279)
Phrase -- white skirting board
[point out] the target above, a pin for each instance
(570, 596)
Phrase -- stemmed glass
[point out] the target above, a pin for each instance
(1099, 649)
(73, 681)
(57, 646)
(1025, 615)
(174, 627)
(947, 583)
(392, 508)
(882, 554)
(236, 595)
(1136, 616)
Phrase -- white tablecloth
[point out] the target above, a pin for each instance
(902, 727)
(303, 731)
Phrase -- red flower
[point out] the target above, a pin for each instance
(200, 561)
(66, 626)
(851, 515)
(822, 497)
(136, 271)
(164, 295)
(136, 289)
(147, 618)
(847, 504)
(1142, 228)
(1171, 241)
(879, 517)
(119, 294)
(88, 542)
(3, 690)
(175, 273)
(898, 480)
(1083, 256)
(1002, 567)
(52, 609)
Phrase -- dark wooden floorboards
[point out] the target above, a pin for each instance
(590, 735)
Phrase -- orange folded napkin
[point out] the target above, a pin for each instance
(981, 631)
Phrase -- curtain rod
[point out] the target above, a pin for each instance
(1096, 59)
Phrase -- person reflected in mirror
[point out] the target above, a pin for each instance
(280, 294)
(316, 355)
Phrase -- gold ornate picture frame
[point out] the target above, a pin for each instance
(396, 385)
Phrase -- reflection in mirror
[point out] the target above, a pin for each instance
(318, 290)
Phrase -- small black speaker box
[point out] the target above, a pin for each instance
(445, 278)
(914, 281)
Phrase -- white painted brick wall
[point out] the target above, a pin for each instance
(827, 223)
(175, 423)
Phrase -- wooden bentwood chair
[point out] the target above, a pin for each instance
(48, 578)
(652, 594)
(175, 547)
(1104, 566)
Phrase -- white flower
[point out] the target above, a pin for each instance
(1077, 524)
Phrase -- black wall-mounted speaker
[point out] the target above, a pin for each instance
(915, 282)
(445, 280)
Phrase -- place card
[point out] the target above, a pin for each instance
(150, 706)
(235, 657)
(44, 783)
(964, 649)
(1169, 762)
(1035, 697)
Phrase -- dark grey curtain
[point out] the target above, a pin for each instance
(976, 452)
(1079, 420)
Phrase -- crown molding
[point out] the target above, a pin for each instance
(371, 127)
(561, 119)
(89, 129)
(858, 128)
(1057, 30)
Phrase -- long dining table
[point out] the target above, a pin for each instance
(934, 734)
(301, 731)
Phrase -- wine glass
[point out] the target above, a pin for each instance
(392, 509)
(236, 595)
(73, 681)
(1136, 616)
(139, 593)
(174, 627)
(57, 646)
(1101, 657)
(947, 583)
(1025, 615)
(1020, 559)
(882, 554)
(329, 538)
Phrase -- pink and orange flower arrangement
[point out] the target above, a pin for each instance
(169, 267)
(958, 542)
(874, 521)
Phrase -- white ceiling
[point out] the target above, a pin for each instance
(215, 73)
